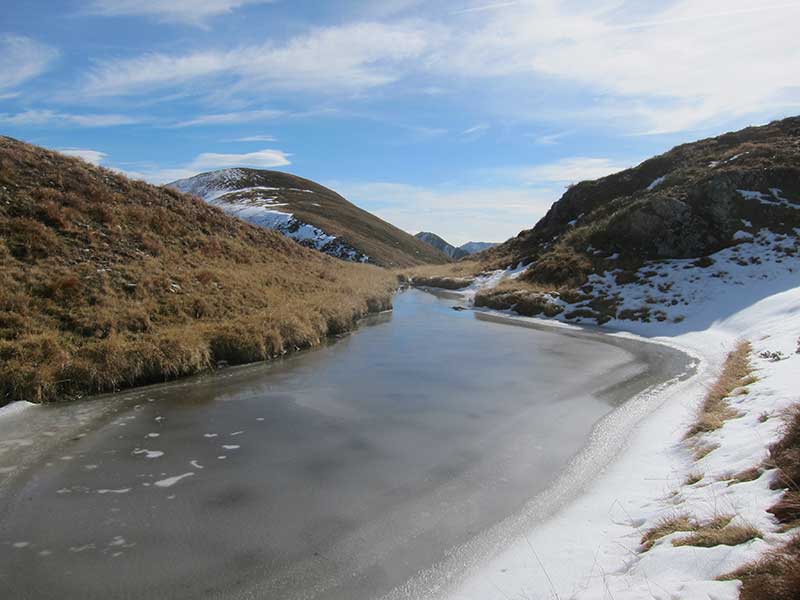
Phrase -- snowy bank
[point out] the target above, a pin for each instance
(591, 547)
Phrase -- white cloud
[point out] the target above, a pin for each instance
(257, 138)
(209, 161)
(475, 131)
(566, 170)
(346, 58)
(22, 58)
(94, 157)
(51, 117)
(262, 159)
(232, 118)
(191, 11)
(669, 66)
(458, 215)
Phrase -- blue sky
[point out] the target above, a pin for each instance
(463, 117)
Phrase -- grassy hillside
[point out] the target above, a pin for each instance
(107, 283)
(311, 203)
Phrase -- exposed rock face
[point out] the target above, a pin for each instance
(687, 203)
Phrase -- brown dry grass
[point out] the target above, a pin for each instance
(461, 269)
(716, 410)
(775, 577)
(718, 532)
(665, 527)
(714, 532)
(785, 457)
(107, 283)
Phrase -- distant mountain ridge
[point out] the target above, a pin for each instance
(309, 213)
(454, 252)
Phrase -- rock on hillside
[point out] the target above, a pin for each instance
(692, 201)
(309, 213)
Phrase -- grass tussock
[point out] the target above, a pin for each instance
(716, 410)
(693, 478)
(785, 457)
(667, 526)
(107, 283)
(776, 576)
(462, 269)
(713, 532)
(718, 532)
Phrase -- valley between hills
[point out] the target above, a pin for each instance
(674, 285)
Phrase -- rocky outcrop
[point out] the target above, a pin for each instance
(687, 203)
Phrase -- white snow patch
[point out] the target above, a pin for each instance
(149, 453)
(656, 183)
(170, 481)
(118, 491)
(589, 548)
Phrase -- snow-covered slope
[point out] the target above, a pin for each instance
(309, 213)
(588, 545)
(260, 205)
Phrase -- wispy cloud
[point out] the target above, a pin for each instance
(344, 58)
(459, 214)
(485, 7)
(48, 117)
(257, 138)
(566, 170)
(186, 11)
(475, 131)
(94, 157)
(666, 73)
(22, 59)
(263, 159)
(209, 161)
(231, 118)
(551, 139)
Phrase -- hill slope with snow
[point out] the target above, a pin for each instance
(309, 213)
(692, 201)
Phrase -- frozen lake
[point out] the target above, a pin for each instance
(339, 473)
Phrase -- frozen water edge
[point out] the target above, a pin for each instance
(590, 547)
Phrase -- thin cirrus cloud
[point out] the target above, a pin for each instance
(256, 138)
(94, 157)
(460, 214)
(189, 11)
(332, 59)
(231, 118)
(209, 161)
(54, 118)
(566, 170)
(671, 67)
(260, 159)
(22, 59)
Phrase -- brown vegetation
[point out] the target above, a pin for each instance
(716, 410)
(107, 283)
(713, 532)
(776, 576)
(785, 457)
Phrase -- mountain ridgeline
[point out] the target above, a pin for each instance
(454, 252)
(694, 200)
(311, 214)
